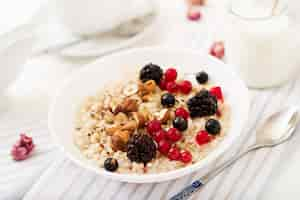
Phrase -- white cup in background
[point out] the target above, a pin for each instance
(90, 17)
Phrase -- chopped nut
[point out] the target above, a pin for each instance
(146, 97)
(119, 140)
(150, 86)
(128, 105)
(140, 119)
(130, 89)
(112, 130)
(164, 115)
(131, 126)
(121, 118)
(108, 117)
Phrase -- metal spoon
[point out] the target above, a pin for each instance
(277, 129)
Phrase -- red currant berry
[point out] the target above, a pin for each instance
(164, 146)
(174, 153)
(170, 74)
(181, 112)
(203, 138)
(172, 87)
(185, 156)
(217, 92)
(217, 50)
(185, 87)
(163, 84)
(160, 135)
(153, 126)
(173, 135)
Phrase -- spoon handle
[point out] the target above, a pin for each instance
(196, 185)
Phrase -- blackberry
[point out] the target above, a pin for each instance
(202, 104)
(202, 77)
(213, 126)
(111, 164)
(141, 148)
(151, 72)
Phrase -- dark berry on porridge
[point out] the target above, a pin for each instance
(213, 126)
(180, 123)
(151, 72)
(202, 77)
(111, 164)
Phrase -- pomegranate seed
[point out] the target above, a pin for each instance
(181, 112)
(163, 84)
(217, 92)
(153, 126)
(217, 50)
(172, 87)
(164, 146)
(160, 135)
(170, 74)
(185, 156)
(194, 15)
(185, 87)
(174, 153)
(203, 138)
(173, 135)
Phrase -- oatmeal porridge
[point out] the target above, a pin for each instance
(157, 122)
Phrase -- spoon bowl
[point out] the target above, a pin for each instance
(278, 128)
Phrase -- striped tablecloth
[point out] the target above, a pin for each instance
(49, 175)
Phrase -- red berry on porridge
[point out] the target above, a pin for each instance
(150, 124)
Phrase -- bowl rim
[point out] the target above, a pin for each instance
(157, 177)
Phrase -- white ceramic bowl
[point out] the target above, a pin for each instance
(90, 79)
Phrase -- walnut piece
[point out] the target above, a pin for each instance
(128, 105)
(119, 140)
(130, 126)
(112, 130)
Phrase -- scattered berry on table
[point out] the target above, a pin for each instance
(160, 135)
(151, 72)
(217, 92)
(164, 146)
(111, 164)
(202, 104)
(217, 50)
(170, 75)
(172, 87)
(202, 77)
(185, 156)
(185, 87)
(174, 153)
(180, 123)
(168, 100)
(153, 126)
(213, 126)
(173, 135)
(203, 137)
(141, 148)
(194, 15)
(181, 112)
(22, 149)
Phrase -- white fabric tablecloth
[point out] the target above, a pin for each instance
(48, 174)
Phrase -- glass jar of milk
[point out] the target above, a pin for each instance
(261, 41)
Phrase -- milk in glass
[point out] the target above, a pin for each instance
(261, 44)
